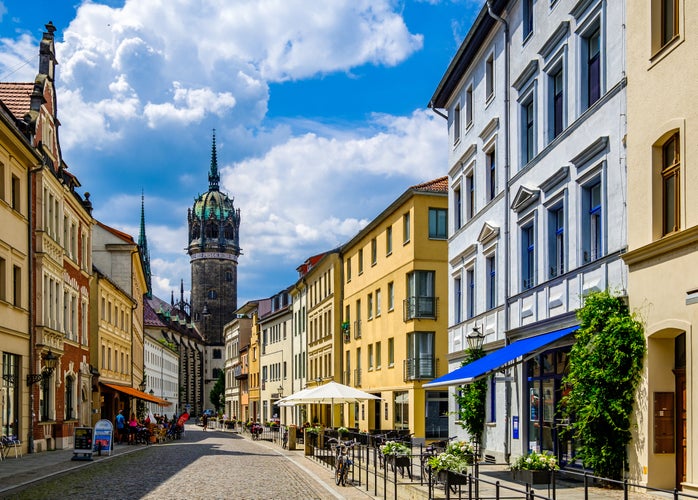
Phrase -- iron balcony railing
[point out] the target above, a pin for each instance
(419, 368)
(417, 307)
(357, 377)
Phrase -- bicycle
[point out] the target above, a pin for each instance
(284, 439)
(432, 450)
(342, 462)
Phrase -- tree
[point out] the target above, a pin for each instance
(605, 366)
(470, 399)
(217, 394)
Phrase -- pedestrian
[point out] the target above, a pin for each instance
(204, 420)
(132, 429)
(120, 426)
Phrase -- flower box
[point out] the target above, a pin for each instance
(400, 460)
(452, 478)
(531, 476)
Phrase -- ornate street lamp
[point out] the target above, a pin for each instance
(152, 392)
(50, 361)
(141, 386)
(475, 339)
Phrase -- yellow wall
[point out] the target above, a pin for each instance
(419, 253)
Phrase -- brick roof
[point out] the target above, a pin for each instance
(437, 185)
(17, 97)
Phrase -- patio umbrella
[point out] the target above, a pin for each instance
(287, 401)
(331, 393)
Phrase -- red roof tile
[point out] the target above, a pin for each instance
(17, 97)
(438, 185)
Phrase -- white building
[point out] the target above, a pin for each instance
(535, 99)
(161, 367)
(276, 356)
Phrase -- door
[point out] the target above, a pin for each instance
(680, 426)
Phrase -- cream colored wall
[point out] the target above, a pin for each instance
(661, 100)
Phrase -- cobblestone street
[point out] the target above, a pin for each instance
(208, 465)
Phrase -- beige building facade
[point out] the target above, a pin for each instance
(663, 236)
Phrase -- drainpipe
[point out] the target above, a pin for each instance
(507, 406)
(32, 330)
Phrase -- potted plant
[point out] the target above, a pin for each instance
(341, 431)
(534, 468)
(451, 464)
(396, 453)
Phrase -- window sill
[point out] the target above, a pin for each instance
(665, 50)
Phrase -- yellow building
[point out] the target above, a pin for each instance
(252, 356)
(395, 319)
(17, 158)
(663, 236)
(323, 315)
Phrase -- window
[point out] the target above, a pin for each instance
(438, 220)
(420, 363)
(69, 398)
(357, 322)
(528, 130)
(217, 354)
(592, 222)
(457, 208)
(671, 168)
(361, 261)
(420, 302)
(457, 301)
(3, 279)
(491, 175)
(470, 281)
(469, 106)
(212, 294)
(591, 49)
(378, 302)
(528, 257)
(228, 276)
(402, 410)
(370, 356)
(391, 351)
(489, 78)
(406, 227)
(389, 240)
(374, 251)
(556, 221)
(456, 124)
(391, 296)
(16, 194)
(369, 306)
(9, 395)
(2, 181)
(557, 105)
(527, 18)
(348, 269)
(670, 20)
(491, 270)
(44, 399)
(470, 196)
(378, 355)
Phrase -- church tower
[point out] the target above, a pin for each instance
(214, 247)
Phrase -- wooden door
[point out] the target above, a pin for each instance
(680, 427)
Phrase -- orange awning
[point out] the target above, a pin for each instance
(137, 394)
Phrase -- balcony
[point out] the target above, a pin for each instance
(240, 372)
(420, 368)
(419, 307)
(347, 377)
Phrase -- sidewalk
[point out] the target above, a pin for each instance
(16, 472)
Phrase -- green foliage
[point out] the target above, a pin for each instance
(456, 457)
(217, 394)
(395, 448)
(470, 399)
(535, 461)
(605, 369)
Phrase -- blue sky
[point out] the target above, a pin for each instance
(320, 111)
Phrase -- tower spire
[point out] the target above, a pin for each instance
(143, 245)
(213, 177)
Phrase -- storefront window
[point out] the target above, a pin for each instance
(402, 408)
(545, 391)
(10, 394)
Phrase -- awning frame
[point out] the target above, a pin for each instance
(135, 393)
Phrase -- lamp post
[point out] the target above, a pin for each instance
(50, 361)
(281, 396)
(475, 339)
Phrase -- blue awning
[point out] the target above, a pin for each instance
(468, 373)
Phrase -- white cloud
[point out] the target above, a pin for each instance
(189, 106)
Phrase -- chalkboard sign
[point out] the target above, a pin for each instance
(103, 436)
(82, 443)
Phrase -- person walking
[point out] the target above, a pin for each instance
(204, 420)
(120, 426)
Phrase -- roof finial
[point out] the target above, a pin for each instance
(213, 177)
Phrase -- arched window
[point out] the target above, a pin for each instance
(70, 398)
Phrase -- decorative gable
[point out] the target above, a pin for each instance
(524, 198)
(488, 233)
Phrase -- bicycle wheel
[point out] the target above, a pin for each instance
(338, 473)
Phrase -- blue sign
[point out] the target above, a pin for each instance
(515, 426)
(102, 437)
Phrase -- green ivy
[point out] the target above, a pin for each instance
(605, 366)
(470, 400)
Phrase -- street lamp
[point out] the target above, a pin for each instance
(50, 361)
(141, 386)
(152, 392)
(475, 339)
